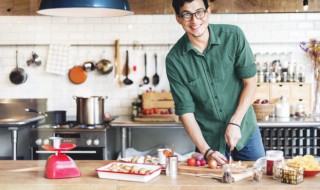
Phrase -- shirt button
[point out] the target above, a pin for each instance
(216, 97)
(220, 110)
(212, 83)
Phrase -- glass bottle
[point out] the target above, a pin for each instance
(257, 174)
(277, 166)
(226, 174)
(134, 109)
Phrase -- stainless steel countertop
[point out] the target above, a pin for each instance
(19, 121)
(126, 121)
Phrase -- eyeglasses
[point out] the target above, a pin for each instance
(199, 14)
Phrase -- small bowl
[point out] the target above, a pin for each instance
(311, 173)
(55, 142)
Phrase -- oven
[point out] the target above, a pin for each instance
(90, 141)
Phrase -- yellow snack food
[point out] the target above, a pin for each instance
(308, 162)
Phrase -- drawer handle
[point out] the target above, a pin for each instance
(300, 100)
(258, 85)
(301, 85)
(280, 85)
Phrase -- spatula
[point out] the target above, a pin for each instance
(155, 78)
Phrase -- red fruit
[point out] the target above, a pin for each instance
(203, 162)
(198, 163)
(257, 101)
(151, 111)
(155, 111)
(167, 153)
(162, 112)
(146, 112)
(191, 162)
(265, 101)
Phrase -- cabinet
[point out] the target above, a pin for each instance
(297, 93)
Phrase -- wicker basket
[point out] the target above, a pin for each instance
(263, 110)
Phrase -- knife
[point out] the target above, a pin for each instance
(230, 158)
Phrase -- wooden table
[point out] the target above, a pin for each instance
(29, 175)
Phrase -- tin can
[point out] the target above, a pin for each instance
(172, 166)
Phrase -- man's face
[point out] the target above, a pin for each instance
(193, 24)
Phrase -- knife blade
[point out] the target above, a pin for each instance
(230, 158)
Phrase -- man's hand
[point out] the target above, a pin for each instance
(217, 156)
(232, 136)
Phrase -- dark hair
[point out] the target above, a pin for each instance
(177, 4)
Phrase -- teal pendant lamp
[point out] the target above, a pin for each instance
(85, 8)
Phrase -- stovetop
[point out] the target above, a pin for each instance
(72, 125)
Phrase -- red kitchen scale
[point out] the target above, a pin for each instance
(61, 165)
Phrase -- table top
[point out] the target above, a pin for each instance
(30, 175)
(20, 121)
(313, 121)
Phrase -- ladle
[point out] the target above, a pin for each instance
(145, 78)
(127, 81)
(155, 78)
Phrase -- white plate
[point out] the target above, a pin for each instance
(103, 172)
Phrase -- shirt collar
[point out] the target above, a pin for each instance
(214, 39)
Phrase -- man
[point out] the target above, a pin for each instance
(212, 78)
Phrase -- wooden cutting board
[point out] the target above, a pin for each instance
(156, 118)
(184, 168)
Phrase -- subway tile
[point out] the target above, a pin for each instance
(246, 18)
(127, 20)
(93, 20)
(288, 26)
(60, 20)
(317, 25)
(145, 19)
(43, 19)
(313, 16)
(297, 16)
(263, 17)
(305, 25)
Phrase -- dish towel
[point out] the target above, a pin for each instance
(58, 59)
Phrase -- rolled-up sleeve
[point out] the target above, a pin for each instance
(244, 63)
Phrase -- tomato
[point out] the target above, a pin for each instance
(167, 153)
(155, 110)
(191, 162)
(151, 111)
(146, 112)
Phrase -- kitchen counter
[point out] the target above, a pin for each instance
(126, 124)
(30, 175)
(14, 123)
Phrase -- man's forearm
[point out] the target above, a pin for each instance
(245, 99)
(191, 126)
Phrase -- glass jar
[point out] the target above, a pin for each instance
(260, 77)
(257, 174)
(273, 77)
(135, 109)
(283, 107)
(277, 166)
(300, 111)
(226, 174)
(273, 156)
(293, 110)
(284, 77)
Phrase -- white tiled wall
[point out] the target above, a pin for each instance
(265, 32)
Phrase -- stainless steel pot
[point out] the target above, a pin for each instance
(90, 110)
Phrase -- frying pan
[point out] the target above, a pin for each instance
(51, 117)
(77, 75)
(18, 75)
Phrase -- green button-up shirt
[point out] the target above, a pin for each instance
(209, 84)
